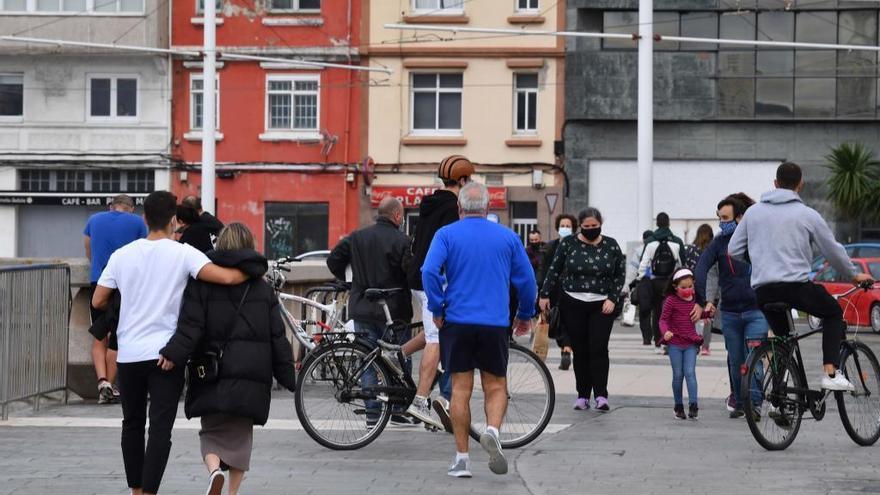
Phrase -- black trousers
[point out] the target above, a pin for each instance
(658, 286)
(588, 331)
(144, 467)
(645, 293)
(812, 299)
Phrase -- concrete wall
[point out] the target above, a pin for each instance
(55, 105)
(8, 239)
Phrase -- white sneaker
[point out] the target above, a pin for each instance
(215, 483)
(460, 468)
(838, 383)
(421, 409)
(492, 445)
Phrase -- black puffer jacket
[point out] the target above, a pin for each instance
(375, 254)
(436, 211)
(254, 344)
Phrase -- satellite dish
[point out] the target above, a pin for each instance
(368, 170)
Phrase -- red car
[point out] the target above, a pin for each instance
(862, 308)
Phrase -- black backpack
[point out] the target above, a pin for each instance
(663, 263)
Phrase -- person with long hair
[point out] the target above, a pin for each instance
(692, 253)
(242, 326)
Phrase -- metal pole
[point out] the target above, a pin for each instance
(209, 77)
(645, 151)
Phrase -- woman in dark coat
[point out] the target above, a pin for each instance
(254, 349)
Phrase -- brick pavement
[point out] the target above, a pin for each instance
(636, 449)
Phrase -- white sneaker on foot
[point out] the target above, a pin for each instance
(421, 409)
(215, 483)
(460, 468)
(838, 383)
(490, 443)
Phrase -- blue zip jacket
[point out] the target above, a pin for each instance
(734, 277)
(478, 260)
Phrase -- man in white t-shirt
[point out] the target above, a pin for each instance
(151, 275)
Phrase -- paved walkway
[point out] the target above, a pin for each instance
(635, 449)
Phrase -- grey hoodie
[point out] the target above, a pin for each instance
(778, 234)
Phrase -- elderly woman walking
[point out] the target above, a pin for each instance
(236, 338)
(591, 269)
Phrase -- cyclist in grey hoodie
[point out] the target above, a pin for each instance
(777, 235)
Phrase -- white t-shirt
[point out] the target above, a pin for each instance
(151, 277)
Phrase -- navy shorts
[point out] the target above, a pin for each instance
(469, 347)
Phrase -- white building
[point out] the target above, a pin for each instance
(78, 126)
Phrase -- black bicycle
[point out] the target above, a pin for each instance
(776, 393)
(349, 387)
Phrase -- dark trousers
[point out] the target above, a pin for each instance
(645, 293)
(812, 299)
(144, 467)
(589, 331)
(658, 286)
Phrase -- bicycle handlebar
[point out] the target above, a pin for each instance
(866, 286)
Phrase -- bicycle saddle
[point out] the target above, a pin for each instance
(776, 307)
(379, 294)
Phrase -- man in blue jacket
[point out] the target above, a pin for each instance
(478, 260)
(741, 318)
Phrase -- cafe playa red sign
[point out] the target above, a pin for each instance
(411, 196)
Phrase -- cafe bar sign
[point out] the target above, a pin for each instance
(411, 196)
(20, 198)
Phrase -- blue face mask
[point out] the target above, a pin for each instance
(727, 228)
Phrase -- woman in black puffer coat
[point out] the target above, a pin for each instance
(254, 349)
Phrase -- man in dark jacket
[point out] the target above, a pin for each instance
(210, 222)
(376, 255)
(436, 211)
(741, 318)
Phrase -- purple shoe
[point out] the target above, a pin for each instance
(602, 404)
(581, 404)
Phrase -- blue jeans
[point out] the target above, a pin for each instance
(374, 332)
(684, 368)
(739, 328)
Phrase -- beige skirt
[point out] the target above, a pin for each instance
(229, 437)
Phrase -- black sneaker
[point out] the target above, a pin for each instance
(779, 417)
(565, 362)
(403, 420)
(692, 411)
(756, 414)
(441, 407)
(736, 414)
(679, 412)
(372, 422)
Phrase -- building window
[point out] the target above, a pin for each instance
(436, 103)
(292, 103)
(196, 101)
(308, 6)
(526, 102)
(105, 181)
(295, 228)
(524, 218)
(11, 95)
(113, 98)
(439, 6)
(70, 180)
(200, 6)
(34, 180)
(139, 181)
(526, 5)
(74, 7)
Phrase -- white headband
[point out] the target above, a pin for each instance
(684, 272)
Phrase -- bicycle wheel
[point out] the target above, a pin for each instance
(330, 395)
(773, 396)
(531, 397)
(860, 409)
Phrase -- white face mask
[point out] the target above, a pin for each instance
(564, 231)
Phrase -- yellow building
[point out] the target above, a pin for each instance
(496, 99)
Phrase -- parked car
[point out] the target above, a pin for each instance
(858, 250)
(862, 308)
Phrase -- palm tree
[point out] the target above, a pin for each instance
(854, 185)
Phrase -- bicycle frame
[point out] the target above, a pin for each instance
(296, 326)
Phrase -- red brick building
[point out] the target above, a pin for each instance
(288, 135)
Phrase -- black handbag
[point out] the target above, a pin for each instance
(204, 367)
(554, 320)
